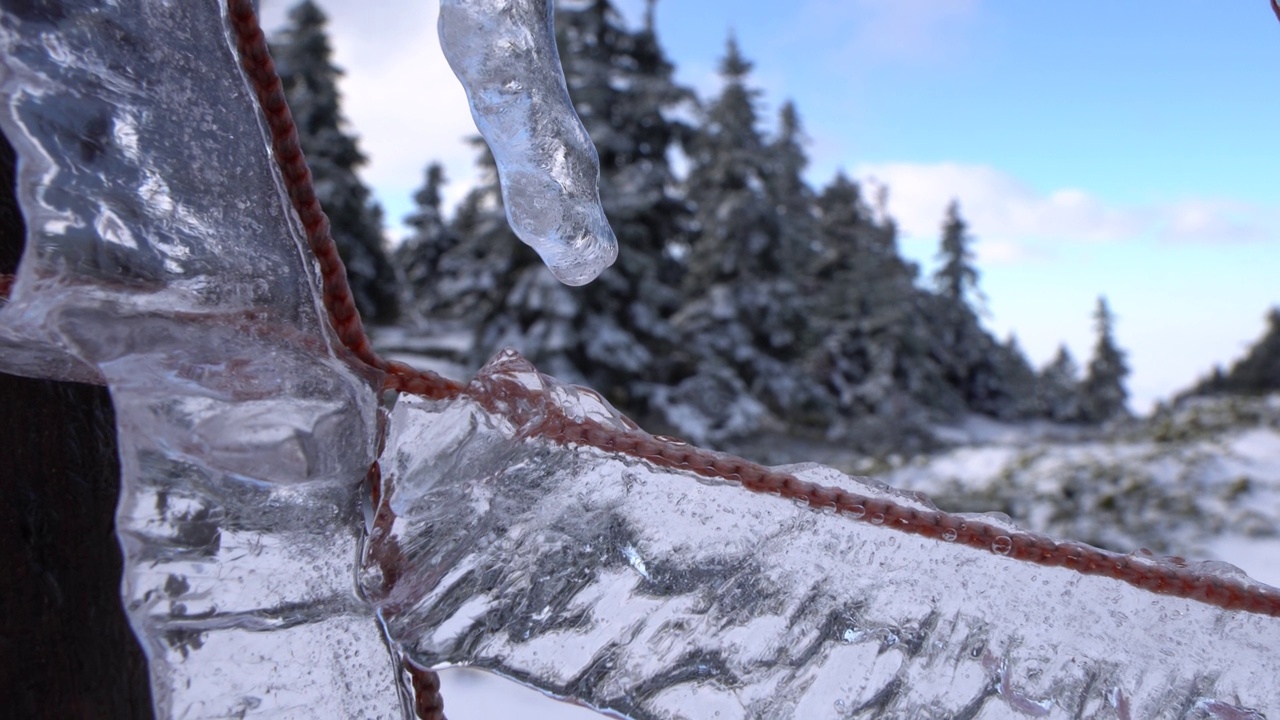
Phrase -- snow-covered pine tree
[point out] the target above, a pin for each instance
(1256, 373)
(419, 255)
(1259, 370)
(865, 301)
(956, 277)
(968, 356)
(1058, 388)
(737, 226)
(623, 87)
(872, 358)
(791, 196)
(496, 284)
(304, 59)
(1018, 382)
(1103, 394)
(746, 312)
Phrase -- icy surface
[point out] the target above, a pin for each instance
(162, 260)
(144, 183)
(504, 52)
(654, 593)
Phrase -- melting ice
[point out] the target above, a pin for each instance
(504, 52)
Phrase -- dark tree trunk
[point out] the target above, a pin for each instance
(66, 649)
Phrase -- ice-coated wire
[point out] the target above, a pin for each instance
(504, 53)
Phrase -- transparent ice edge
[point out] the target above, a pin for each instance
(504, 54)
(653, 593)
(162, 259)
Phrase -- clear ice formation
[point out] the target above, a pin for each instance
(264, 580)
(162, 259)
(652, 593)
(504, 53)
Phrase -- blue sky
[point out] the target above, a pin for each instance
(1117, 148)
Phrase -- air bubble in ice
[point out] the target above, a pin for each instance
(504, 53)
(1001, 545)
(949, 535)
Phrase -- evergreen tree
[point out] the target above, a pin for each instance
(854, 257)
(623, 87)
(872, 356)
(1103, 394)
(1214, 384)
(873, 359)
(967, 355)
(477, 275)
(956, 276)
(420, 254)
(737, 226)
(727, 159)
(1058, 388)
(1257, 372)
(746, 311)
(304, 59)
(790, 195)
(1017, 382)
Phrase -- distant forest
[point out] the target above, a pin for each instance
(743, 301)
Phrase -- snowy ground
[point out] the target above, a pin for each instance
(1202, 482)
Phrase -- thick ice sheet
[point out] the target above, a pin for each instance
(161, 260)
(144, 179)
(655, 593)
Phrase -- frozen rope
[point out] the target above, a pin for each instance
(1164, 577)
(539, 417)
(427, 701)
(336, 293)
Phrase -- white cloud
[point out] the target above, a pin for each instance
(1014, 222)
(1220, 221)
(399, 95)
(911, 30)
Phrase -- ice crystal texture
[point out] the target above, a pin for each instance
(504, 52)
(261, 577)
(162, 259)
(659, 594)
